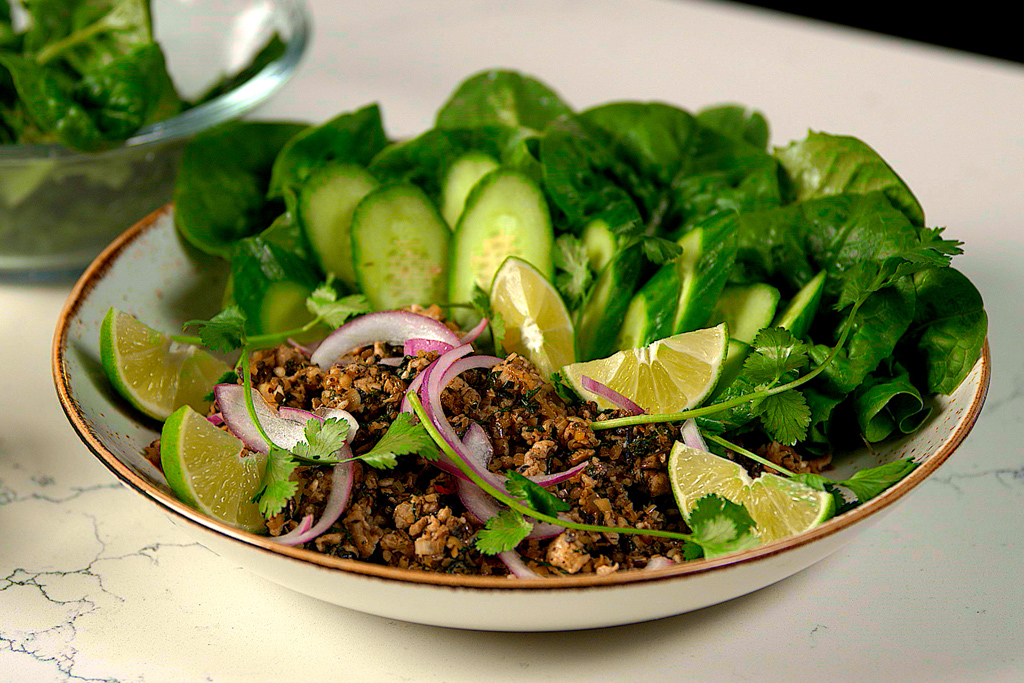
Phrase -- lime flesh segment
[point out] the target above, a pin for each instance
(780, 507)
(537, 324)
(669, 375)
(154, 373)
(208, 469)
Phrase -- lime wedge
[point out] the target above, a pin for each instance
(537, 324)
(667, 376)
(155, 374)
(209, 469)
(781, 507)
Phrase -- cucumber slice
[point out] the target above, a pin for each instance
(464, 173)
(703, 267)
(601, 244)
(400, 248)
(505, 215)
(270, 284)
(651, 312)
(326, 203)
(799, 314)
(599, 319)
(747, 309)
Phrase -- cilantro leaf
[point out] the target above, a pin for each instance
(785, 417)
(504, 531)
(775, 352)
(721, 526)
(866, 484)
(659, 250)
(223, 332)
(497, 323)
(325, 304)
(277, 488)
(323, 438)
(692, 551)
(534, 495)
(405, 436)
(570, 256)
(563, 388)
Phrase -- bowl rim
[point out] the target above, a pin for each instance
(224, 107)
(181, 512)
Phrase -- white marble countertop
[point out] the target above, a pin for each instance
(97, 585)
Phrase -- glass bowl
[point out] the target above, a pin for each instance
(59, 208)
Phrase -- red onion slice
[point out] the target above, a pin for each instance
(392, 327)
(285, 426)
(658, 562)
(282, 431)
(305, 349)
(472, 335)
(413, 346)
(481, 507)
(610, 394)
(216, 419)
(341, 491)
(691, 435)
(516, 565)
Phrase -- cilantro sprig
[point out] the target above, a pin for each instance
(226, 331)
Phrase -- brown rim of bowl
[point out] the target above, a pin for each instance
(102, 264)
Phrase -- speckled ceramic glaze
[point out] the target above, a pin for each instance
(148, 272)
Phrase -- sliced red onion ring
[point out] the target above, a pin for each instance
(284, 426)
(413, 346)
(482, 506)
(341, 491)
(658, 562)
(305, 349)
(216, 419)
(691, 435)
(610, 394)
(392, 327)
(516, 565)
(282, 431)
(393, 362)
(471, 336)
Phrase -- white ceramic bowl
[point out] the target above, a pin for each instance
(150, 273)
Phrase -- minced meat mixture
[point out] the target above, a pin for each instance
(410, 516)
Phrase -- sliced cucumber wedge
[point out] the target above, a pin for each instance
(599, 319)
(505, 215)
(326, 203)
(799, 314)
(464, 173)
(601, 244)
(703, 269)
(400, 248)
(651, 312)
(747, 309)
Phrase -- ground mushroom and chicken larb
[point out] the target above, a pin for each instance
(411, 517)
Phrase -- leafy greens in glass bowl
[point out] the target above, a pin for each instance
(97, 100)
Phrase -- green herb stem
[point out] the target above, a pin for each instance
(753, 456)
(513, 503)
(739, 400)
(250, 407)
(257, 341)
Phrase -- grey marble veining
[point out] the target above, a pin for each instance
(97, 585)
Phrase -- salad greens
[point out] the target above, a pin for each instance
(626, 183)
(88, 73)
(657, 215)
